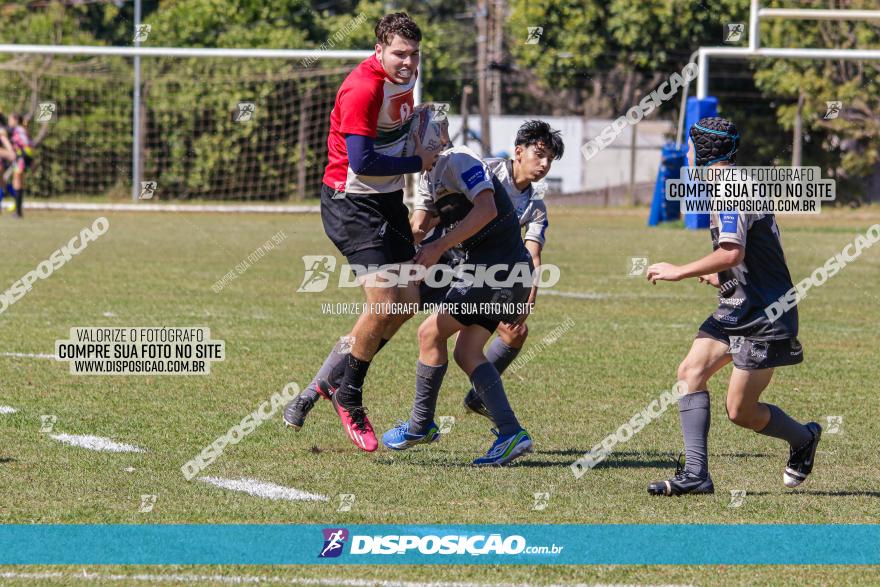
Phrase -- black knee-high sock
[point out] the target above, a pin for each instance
(350, 393)
(19, 202)
(349, 382)
(333, 370)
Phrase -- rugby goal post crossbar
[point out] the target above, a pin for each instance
(184, 52)
(754, 50)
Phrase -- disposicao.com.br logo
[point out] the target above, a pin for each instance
(431, 544)
(320, 268)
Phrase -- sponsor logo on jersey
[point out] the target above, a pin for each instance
(473, 176)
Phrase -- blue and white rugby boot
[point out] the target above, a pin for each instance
(506, 448)
(400, 438)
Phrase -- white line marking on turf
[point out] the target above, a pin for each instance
(95, 443)
(263, 489)
(244, 579)
(592, 295)
(581, 295)
(27, 355)
(7, 410)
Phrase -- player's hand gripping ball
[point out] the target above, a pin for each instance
(430, 126)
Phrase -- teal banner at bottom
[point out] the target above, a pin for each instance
(278, 544)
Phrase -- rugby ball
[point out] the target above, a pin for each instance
(429, 123)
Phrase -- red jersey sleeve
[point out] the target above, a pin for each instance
(359, 109)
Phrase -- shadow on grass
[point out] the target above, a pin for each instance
(626, 459)
(648, 453)
(616, 460)
(838, 493)
(609, 463)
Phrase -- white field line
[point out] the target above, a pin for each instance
(263, 489)
(28, 355)
(7, 410)
(592, 295)
(97, 443)
(581, 295)
(248, 579)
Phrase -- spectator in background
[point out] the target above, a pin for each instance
(22, 147)
(7, 161)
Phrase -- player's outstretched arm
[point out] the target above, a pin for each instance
(479, 216)
(727, 255)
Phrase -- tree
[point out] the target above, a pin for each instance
(845, 147)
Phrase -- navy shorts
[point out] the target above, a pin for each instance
(489, 306)
(431, 296)
(750, 354)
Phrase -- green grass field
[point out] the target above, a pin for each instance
(621, 353)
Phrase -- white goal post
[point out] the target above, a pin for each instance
(756, 13)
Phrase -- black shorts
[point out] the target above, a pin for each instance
(430, 296)
(488, 306)
(750, 354)
(368, 229)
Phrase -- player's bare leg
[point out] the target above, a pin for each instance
(329, 376)
(744, 409)
(408, 297)
(705, 358)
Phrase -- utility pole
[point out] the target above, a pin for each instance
(136, 110)
(482, 15)
(466, 92)
(633, 145)
(497, 56)
(797, 139)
